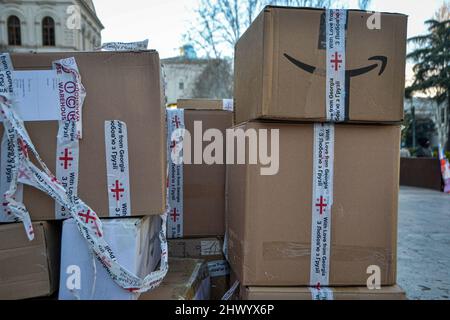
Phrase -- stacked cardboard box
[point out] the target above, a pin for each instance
(124, 101)
(196, 221)
(209, 250)
(277, 233)
(188, 279)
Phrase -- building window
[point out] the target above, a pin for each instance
(181, 86)
(48, 31)
(14, 36)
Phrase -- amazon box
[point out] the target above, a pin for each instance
(280, 66)
(121, 86)
(269, 217)
(337, 293)
(29, 269)
(187, 279)
(135, 243)
(210, 250)
(204, 184)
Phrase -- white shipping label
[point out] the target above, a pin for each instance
(116, 142)
(228, 104)
(218, 268)
(335, 75)
(36, 93)
(7, 165)
(322, 202)
(321, 294)
(175, 122)
(210, 248)
(67, 156)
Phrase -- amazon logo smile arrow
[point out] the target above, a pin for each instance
(380, 61)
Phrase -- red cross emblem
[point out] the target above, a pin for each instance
(117, 190)
(321, 204)
(30, 230)
(97, 230)
(174, 214)
(23, 148)
(336, 61)
(23, 174)
(87, 216)
(66, 159)
(176, 121)
(5, 204)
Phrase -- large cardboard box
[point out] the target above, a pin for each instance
(204, 185)
(120, 86)
(187, 279)
(269, 217)
(135, 243)
(338, 293)
(269, 85)
(210, 250)
(29, 269)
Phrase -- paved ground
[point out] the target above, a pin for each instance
(424, 243)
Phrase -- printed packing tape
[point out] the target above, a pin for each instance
(117, 168)
(323, 153)
(175, 181)
(125, 46)
(88, 222)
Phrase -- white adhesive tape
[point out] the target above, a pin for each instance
(125, 46)
(335, 21)
(322, 201)
(117, 168)
(175, 126)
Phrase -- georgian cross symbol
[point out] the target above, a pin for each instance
(322, 205)
(117, 190)
(174, 214)
(23, 148)
(87, 216)
(336, 61)
(176, 122)
(23, 174)
(66, 158)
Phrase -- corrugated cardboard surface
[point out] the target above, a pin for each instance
(120, 86)
(204, 185)
(269, 217)
(200, 104)
(343, 293)
(183, 281)
(209, 249)
(29, 268)
(268, 85)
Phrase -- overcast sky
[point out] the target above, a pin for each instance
(163, 22)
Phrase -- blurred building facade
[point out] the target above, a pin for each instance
(43, 26)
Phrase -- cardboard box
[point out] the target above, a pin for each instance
(135, 243)
(268, 85)
(269, 217)
(187, 279)
(204, 185)
(209, 249)
(120, 86)
(205, 104)
(339, 293)
(29, 268)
